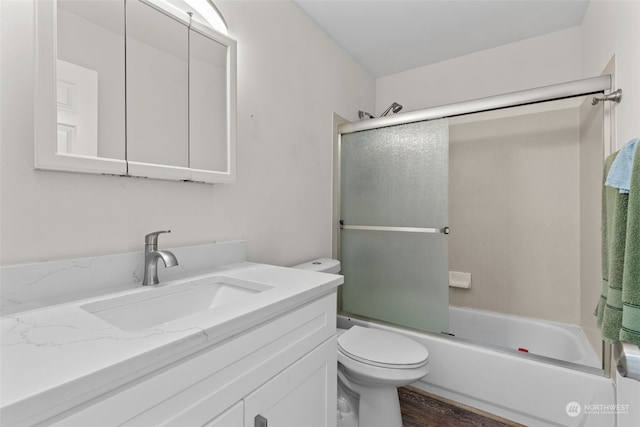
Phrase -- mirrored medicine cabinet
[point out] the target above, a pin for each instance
(134, 87)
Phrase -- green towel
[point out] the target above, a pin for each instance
(614, 221)
(631, 277)
(602, 302)
(618, 309)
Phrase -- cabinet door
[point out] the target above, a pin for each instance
(232, 417)
(302, 395)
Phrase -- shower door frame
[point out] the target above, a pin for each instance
(584, 87)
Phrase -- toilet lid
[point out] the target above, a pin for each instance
(382, 348)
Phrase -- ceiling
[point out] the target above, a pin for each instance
(390, 36)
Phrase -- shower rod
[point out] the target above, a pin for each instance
(572, 89)
(613, 96)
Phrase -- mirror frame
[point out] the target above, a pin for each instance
(46, 156)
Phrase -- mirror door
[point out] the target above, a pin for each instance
(207, 104)
(80, 89)
(157, 93)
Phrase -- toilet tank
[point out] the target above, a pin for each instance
(323, 265)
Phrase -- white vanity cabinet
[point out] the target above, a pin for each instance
(299, 395)
(283, 370)
(295, 397)
(232, 417)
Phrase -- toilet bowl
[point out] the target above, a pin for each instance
(372, 364)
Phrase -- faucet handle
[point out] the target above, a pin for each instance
(152, 238)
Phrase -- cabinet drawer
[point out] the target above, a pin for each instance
(232, 417)
(227, 371)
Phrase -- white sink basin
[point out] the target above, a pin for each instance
(161, 304)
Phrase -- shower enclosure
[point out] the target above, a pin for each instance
(394, 214)
(516, 178)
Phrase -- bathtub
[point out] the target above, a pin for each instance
(527, 388)
(558, 341)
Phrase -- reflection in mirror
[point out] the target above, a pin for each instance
(204, 11)
(208, 140)
(90, 78)
(157, 87)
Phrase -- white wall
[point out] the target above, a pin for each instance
(611, 28)
(538, 61)
(534, 62)
(291, 78)
(513, 207)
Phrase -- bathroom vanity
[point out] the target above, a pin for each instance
(260, 349)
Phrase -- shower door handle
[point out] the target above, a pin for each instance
(443, 230)
(627, 357)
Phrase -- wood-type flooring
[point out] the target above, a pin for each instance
(422, 409)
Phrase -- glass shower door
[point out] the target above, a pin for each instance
(394, 216)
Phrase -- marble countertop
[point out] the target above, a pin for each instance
(56, 357)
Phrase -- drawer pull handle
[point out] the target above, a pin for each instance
(259, 421)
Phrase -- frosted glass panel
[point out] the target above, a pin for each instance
(397, 277)
(396, 177)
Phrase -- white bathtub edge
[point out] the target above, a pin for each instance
(527, 391)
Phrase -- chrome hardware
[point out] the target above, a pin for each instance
(627, 358)
(548, 93)
(444, 230)
(395, 108)
(151, 257)
(613, 96)
(260, 421)
(364, 115)
(151, 239)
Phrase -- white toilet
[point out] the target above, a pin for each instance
(372, 363)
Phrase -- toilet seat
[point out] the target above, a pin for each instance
(382, 349)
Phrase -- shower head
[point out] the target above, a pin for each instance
(395, 108)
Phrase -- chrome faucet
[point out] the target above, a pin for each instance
(151, 257)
